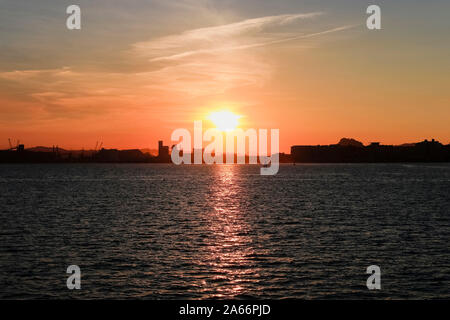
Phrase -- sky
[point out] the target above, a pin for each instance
(139, 69)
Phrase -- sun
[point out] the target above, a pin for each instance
(224, 120)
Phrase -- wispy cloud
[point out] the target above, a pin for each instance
(195, 63)
(247, 33)
(214, 59)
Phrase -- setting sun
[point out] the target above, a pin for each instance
(225, 120)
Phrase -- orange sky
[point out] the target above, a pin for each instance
(313, 71)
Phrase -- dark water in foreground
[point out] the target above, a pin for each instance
(161, 231)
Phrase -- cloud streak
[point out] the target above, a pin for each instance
(202, 62)
(218, 58)
(246, 33)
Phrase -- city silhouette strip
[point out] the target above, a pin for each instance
(346, 151)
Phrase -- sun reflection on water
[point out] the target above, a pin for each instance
(229, 245)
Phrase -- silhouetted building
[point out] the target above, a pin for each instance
(163, 152)
(114, 155)
(107, 155)
(419, 152)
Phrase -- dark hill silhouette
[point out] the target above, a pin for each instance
(347, 142)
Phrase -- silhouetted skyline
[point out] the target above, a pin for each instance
(346, 150)
(136, 71)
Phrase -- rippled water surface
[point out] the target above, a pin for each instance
(163, 231)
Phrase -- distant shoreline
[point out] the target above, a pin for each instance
(346, 151)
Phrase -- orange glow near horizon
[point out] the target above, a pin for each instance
(314, 75)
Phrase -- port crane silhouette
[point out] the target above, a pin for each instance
(11, 147)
